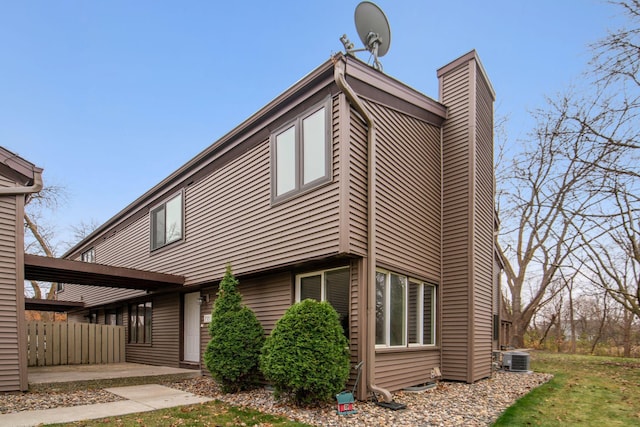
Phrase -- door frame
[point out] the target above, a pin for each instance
(191, 307)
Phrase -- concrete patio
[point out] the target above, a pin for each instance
(80, 373)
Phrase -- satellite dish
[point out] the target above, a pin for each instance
(373, 30)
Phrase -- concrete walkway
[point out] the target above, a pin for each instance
(140, 398)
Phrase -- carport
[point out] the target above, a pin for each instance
(18, 180)
(83, 342)
(58, 270)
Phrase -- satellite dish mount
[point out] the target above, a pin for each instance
(373, 30)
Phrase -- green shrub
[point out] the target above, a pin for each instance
(236, 339)
(306, 357)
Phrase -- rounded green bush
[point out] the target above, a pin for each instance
(306, 357)
(237, 338)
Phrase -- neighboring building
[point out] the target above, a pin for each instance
(18, 179)
(404, 254)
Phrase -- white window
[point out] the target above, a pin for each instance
(327, 285)
(286, 161)
(300, 153)
(314, 144)
(405, 311)
(88, 256)
(166, 222)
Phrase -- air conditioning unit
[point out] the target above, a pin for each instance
(515, 361)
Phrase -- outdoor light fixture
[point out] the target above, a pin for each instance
(203, 298)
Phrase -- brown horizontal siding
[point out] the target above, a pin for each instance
(165, 335)
(358, 185)
(93, 295)
(483, 231)
(408, 198)
(455, 216)
(229, 218)
(10, 369)
(397, 370)
(269, 296)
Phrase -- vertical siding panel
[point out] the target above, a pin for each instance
(13, 346)
(468, 220)
(33, 336)
(48, 338)
(111, 355)
(9, 288)
(64, 335)
(455, 264)
(484, 219)
(77, 339)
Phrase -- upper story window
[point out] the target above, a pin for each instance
(300, 153)
(167, 222)
(327, 285)
(405, 311)
(88, 256)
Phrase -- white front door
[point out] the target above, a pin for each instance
(192, 327)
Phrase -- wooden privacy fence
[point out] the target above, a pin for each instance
(59, 343)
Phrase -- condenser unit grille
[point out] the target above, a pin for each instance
(515, 361)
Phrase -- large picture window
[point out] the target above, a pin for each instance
(166, 222)
(327, 285)
(300, 158)
(140, 323)
(405, 311)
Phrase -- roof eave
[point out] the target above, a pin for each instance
(200, 160)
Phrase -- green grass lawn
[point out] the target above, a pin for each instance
(585, 390)
(213, 413)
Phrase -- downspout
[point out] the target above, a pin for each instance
(14, 191)
(339, 77)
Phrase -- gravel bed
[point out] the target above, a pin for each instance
(449, 404)
(32, 401)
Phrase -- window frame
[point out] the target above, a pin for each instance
(420, 332)
(133, 337)
(323, 291)
(420, 315)
(113, 312)
(299, 186)
(152, 222)
(89, 255)
(320, 273)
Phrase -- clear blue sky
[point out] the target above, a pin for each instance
(110, 97)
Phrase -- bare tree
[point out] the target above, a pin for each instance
(614, 257)
(572, 193)
(616, 58)
(541, 199)
(83, 229)
(40, 237)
